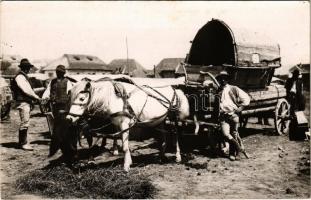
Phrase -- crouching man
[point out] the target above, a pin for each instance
(230, 101)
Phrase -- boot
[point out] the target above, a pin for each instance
(234, 149)
(22, 140)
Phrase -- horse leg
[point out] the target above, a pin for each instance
(125, 143)
(177, 132)
(104, 142)
(115, 147)
(126, 150)
(162, 142)
(89, 140)
(178, 156)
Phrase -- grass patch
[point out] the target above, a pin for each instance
(103, 183)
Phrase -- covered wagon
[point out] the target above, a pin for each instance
(250, 61)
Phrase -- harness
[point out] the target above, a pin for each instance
(127, 109)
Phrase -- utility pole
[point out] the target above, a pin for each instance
(127, 57)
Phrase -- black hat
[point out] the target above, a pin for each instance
(223, 74)
(25, 63)
(61, 68)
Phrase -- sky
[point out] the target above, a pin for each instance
(153, 30)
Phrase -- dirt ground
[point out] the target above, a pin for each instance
(277, 168)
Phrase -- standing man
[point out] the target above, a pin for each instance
(231, 101)
(294, 88)
(58, 93)
(24, 96)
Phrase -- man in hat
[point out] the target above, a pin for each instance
(24, 96)
(58, 93)
(230, 102)
(294, 88)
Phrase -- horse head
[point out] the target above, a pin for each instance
(80, 99)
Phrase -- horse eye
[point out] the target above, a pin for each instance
(81, 99)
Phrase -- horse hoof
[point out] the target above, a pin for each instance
(126, 168)
(178, 159)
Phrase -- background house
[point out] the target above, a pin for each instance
(128, 66)
(166, 68)
(9, 65)
(78, 64)
(305, 72)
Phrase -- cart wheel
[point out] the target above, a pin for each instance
(282, 117)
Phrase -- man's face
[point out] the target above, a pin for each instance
(296, 75)
(223, 81)
(26, 70)
(60, 74)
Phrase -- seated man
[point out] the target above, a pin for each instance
(229, 103)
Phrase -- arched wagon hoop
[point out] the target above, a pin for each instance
(282, 117)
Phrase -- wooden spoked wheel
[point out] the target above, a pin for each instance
(282, 117)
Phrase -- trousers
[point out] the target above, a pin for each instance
(24, 114)
(229, 125)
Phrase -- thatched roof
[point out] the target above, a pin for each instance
(216, 44)
(11, 58)
(169, 64)
(78, 62)
(128, 66)
(8, 61)
(9, 65)
(303, 68)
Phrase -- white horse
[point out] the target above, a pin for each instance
(137, 105)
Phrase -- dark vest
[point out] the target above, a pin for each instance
(18, 93)
(58, 92)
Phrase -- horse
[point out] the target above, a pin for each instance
(127, 105)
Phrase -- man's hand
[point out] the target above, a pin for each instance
(239, 110)
(39, 100)
(45, 101)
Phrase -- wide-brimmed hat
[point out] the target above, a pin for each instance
(61, 68)
(25, 63)
(223, 74)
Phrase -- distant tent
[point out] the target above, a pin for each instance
(128, 66)
(167, 67)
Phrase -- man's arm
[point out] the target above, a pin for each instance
(243, 99)
(69, 86)
(24, 85)
(47, 92)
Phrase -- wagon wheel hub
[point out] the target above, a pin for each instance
(282, 117)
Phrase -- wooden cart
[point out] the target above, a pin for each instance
(250, 62)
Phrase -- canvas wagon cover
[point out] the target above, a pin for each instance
(217, 44)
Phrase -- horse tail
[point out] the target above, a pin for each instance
(184, 108)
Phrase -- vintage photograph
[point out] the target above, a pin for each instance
(155, 99)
